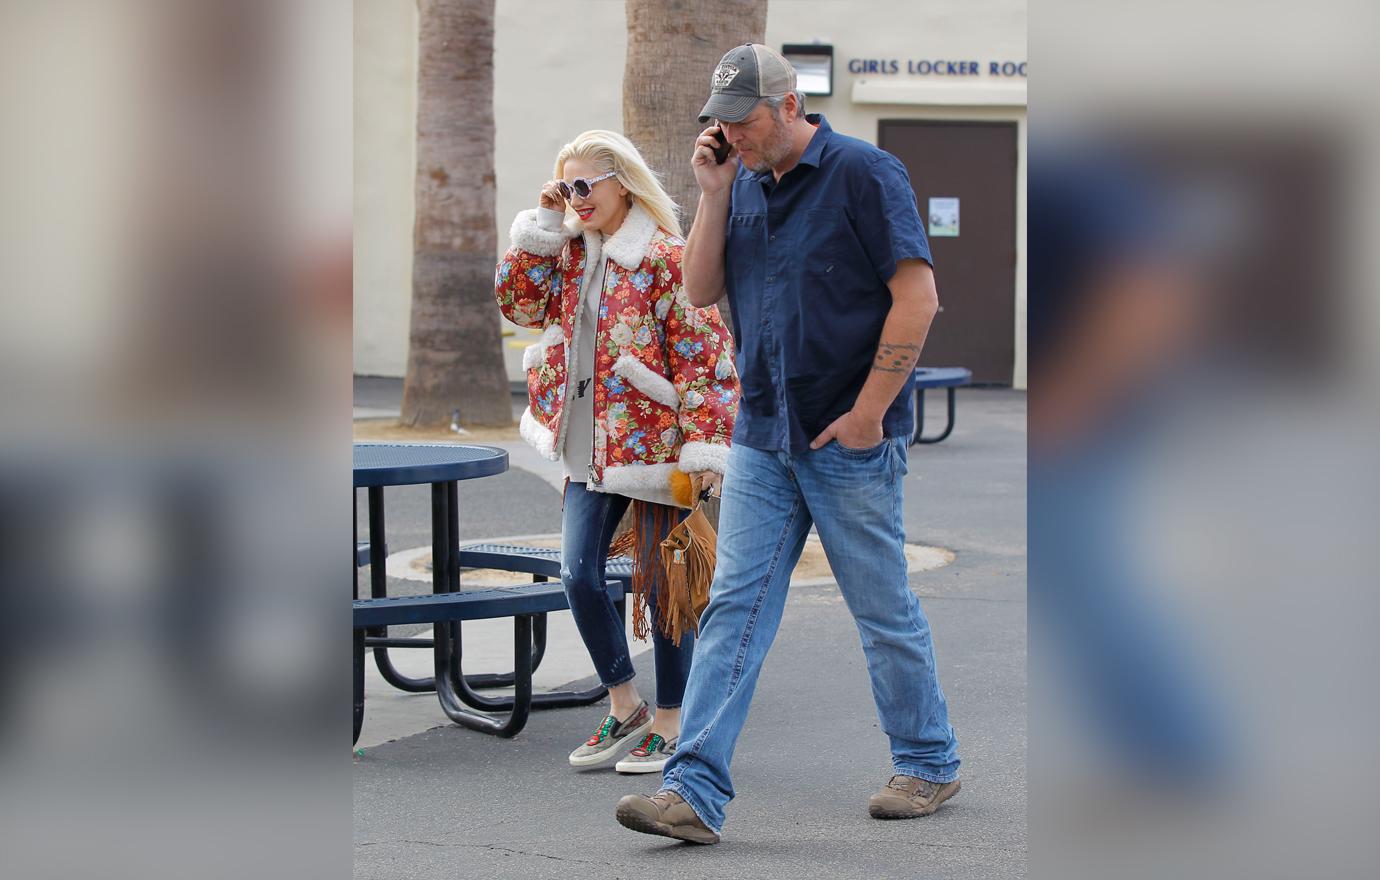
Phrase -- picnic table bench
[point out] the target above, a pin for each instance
(527, 604)
(948, 378)
(542, 563)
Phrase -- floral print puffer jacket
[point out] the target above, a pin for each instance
(665, 387)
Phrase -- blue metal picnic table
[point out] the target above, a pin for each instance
(377, 465)
(442, 467)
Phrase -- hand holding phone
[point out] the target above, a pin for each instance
(713, 172)
(722, 150)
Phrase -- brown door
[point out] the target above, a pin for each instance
(964, 174)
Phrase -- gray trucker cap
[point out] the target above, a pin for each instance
(743, 78)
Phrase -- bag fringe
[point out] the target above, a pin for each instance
(688, 555)
(673, 564)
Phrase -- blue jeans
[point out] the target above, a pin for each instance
(587, 527)
(770, 500)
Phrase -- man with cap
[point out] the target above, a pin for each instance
(816, 239)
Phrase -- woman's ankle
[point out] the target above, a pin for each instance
(666, 723)
(623, 700)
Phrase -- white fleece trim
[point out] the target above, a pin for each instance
(629, 245)
(535, 355)
(646, 380)
(696, 455)
(552, 334)
(537, 434)
(594, 266)
(528, 234)
(639, 477)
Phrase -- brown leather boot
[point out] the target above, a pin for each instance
(906, 797)
(665, 813)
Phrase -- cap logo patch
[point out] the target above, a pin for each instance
(723, 75)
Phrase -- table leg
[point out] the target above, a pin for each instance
(452, 567)
(486, 680)
(359, 683)
(378, 589)
(354, 521)
(949, 426)
(378, 639)
(463, 689)
(454, 691)
(452, 682)
(919, 416)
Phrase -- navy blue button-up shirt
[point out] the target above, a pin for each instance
(806, 265)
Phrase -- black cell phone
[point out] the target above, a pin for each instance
(722, 150)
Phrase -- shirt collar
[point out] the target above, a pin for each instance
(815, 147)
(813, 150)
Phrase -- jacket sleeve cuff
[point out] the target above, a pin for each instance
(550, 220)
(529, 235)
(698, 455)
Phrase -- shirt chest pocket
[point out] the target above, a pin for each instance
(744, 248)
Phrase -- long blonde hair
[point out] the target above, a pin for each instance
(610, 151)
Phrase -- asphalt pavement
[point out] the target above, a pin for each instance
(453, 803)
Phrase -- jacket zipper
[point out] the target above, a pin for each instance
(574, 338)
(594, 479)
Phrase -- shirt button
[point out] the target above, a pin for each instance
(771, 278)
(771, 238)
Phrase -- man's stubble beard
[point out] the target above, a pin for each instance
(776, 148)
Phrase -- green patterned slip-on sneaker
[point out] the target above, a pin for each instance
(611, 735)
(906, 797)
(650, 755)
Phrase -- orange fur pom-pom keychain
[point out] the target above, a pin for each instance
(682, 489)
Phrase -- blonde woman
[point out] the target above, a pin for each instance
(634, 390)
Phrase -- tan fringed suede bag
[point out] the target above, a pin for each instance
(680, 565)
(688, 554)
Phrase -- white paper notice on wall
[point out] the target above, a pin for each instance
(943, 217)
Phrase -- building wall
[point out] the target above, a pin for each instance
(547, 90)
(385, 149)
(954, 29)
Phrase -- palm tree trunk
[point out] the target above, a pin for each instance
(455, 354)
(673, 46)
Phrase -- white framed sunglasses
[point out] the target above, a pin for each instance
(580, 186)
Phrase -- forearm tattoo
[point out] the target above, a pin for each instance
(895, 357)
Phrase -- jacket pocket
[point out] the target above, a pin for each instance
(545, 365)
(553, 337)
(643, 378)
